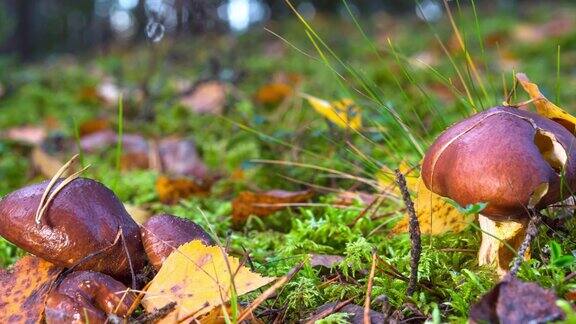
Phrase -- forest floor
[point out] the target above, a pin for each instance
(245, 102)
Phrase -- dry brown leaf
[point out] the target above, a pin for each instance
(291, 79)
(106, 139)
(89, 95)
(24, 289)
(47, 164)
(207, 98)
(32, 135)
(443, 92)
(97, 141)
(545, 107)
(325, 260)
(355, 313)
(198, 278)
(560, 26)
(348, 198)
(570, 295)
(265, 203)
(171, 190)
(273, 93)
(179, 157)
(134, 161)
(93, 126)
(424, 60)
(500, 305)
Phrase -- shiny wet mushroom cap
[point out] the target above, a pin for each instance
(83, 219)
(511, 159)
(87, 297)
(164, 233)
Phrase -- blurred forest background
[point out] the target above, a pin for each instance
(33, 28)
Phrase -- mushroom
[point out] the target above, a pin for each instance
(163, 233)
(83, 225)
(511, 159)
(87, 297)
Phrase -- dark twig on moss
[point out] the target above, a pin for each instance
(414, 229)
(157, 315)
(374, 205)
(327, 311)
(531, 233)
(129, 258)
(369, 290)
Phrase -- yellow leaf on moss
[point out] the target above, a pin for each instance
(387, 179)
(545, 107)
(344, 113)
(198, 278)
(435, 214)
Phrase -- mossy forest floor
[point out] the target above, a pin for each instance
(404, 105)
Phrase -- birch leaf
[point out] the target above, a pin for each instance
(545, 107)
(199, 278)
(343, 113)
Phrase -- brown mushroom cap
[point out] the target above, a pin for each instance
(164, 233)
(84, 218)
(87, 297)
(501, 156)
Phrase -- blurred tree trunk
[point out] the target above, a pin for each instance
(23, 27)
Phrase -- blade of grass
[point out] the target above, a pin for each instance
(120, 132)
(557, 99)
(312, 34)
(460, 40)
(77, 141)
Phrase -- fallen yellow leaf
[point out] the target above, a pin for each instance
(545, 107)
(387, 179)
(265, 203)
(198, 278)
(273, 93)
(172, 189)
(344, 113)
(24, 288)
(435, 214)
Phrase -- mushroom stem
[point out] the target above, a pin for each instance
(500, 241)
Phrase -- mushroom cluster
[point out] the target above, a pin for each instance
(515, 161)
(84, 227)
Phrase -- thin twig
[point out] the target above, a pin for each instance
(414, 229)
(137, 300)
(51, 184)
(369, 290)
(570, 276)
(248, 310)
(375, 203)
(328, 311)
(158, 314)
(47, 197)
(531, 233)
(128, 257)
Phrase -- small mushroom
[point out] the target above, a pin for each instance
(511, 159)
(80, 226)
(163, 233)
(87, 297)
